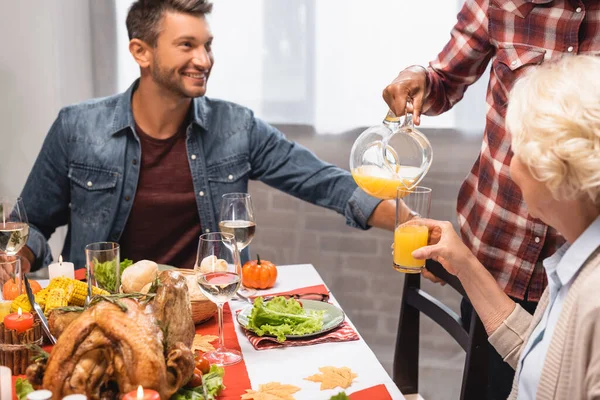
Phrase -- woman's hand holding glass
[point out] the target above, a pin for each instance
(444, 246)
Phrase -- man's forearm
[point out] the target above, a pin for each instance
(384, 215)
(490, 302)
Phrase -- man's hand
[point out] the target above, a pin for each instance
(409, 86)
(27, 259)
(384, 215)
(7, 270)
(428, 275)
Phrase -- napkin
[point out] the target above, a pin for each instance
(378, 392)
(80, 274)
(344, 333)
(317, 289)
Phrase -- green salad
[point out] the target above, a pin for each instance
(23, 388)
(106, 275)
(280, 317)
(213, 381)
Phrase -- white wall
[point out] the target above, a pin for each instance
(361, 47)
(44, 65)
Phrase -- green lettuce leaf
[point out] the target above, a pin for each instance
(106, 275)
(340, 396)
(280, 317)
(213, 381)
(23, 388)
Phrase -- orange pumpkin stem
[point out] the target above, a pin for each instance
(257, 259)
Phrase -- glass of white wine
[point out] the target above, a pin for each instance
(219, 273)
(237, 218)
(14, 227)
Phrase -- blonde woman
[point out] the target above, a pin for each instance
(554, 119)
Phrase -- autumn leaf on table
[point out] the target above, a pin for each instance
(203, 343)
(271, 391)
(332, 377)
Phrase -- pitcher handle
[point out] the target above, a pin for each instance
(394, 122)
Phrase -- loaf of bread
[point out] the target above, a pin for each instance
(139, 275)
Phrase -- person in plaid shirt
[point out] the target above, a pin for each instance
(514, 36)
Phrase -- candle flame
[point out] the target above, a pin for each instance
(20, 312)
(140, 393)
(60, 259)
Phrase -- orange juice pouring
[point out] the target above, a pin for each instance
(408, 238)
(381, 183)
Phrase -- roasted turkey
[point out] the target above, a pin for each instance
(106, 351)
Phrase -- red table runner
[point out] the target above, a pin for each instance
(236, 378)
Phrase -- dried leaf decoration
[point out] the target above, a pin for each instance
(203, 343)
(332, 377)
(271, 391)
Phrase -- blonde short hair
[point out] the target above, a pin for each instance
(554, 118)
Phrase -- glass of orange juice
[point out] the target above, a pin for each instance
(408, 238)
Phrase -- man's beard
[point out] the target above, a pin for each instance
(168, 80)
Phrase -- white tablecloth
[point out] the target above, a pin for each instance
(289, 365)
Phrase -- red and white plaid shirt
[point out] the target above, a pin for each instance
(514, 35)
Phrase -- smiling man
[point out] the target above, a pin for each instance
(147, 168)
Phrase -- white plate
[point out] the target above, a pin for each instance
(332, 318)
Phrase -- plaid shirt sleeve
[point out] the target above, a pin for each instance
(462, 61)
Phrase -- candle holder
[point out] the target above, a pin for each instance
(14, 347)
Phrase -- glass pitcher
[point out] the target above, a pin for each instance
(391, 155)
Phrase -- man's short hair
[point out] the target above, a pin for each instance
(144, 16)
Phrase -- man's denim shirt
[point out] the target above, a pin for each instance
(87, 171)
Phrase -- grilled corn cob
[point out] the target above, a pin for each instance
(56, 298)
(23, 302)
(75, 290)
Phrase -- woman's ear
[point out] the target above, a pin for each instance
(141, 52)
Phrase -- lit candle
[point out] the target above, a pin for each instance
(61, 268)
(5, 383)
(142, 394)
(20, 321)
(40, 395)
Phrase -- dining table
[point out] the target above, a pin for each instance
(291, 364)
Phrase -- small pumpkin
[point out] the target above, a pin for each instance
(259, 274)
(10, 290)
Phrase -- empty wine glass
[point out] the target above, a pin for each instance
(218, 273)
(14, 227)
(237, 218)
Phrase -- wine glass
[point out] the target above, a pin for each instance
(237, 218)
(218, 273)
(14, 227)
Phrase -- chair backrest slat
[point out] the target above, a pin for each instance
(473, 341)
(440, 314)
